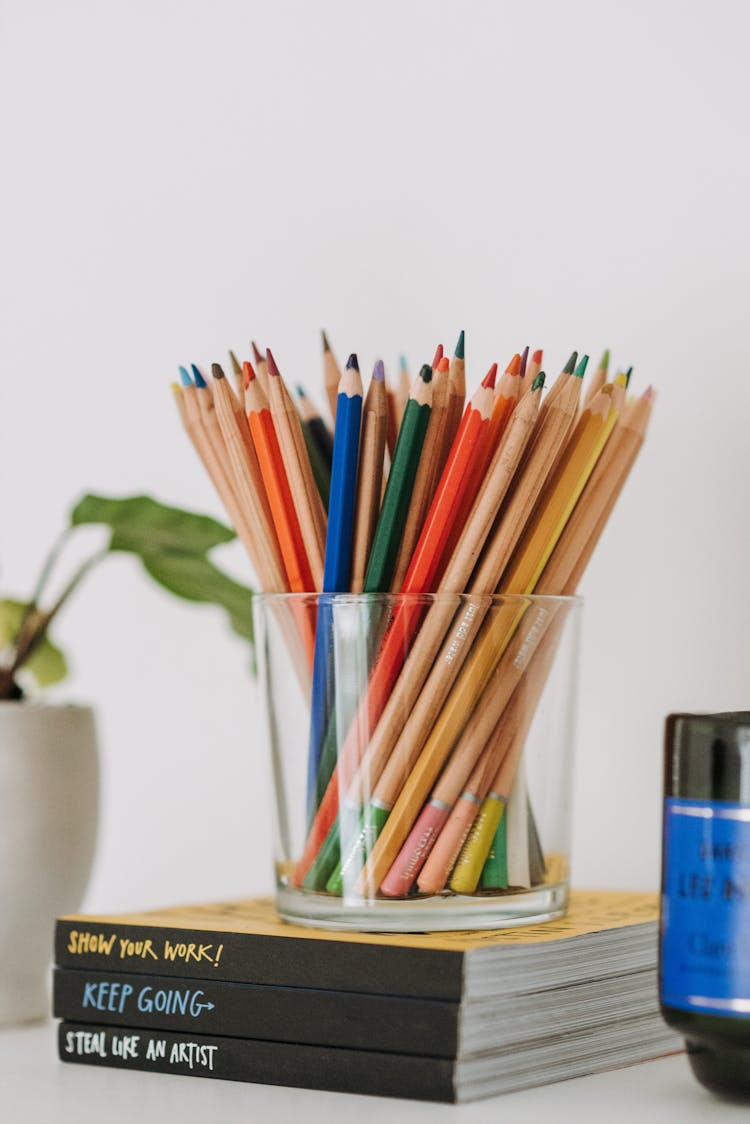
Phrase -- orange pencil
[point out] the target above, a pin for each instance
(276, 484)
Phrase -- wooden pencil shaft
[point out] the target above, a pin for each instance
(540, 456)
(250, 489)
(294, 466)
(398, 490)
(277, 489)
(331, 379)
(425, 480)
(369, 479)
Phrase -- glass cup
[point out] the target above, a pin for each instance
(422, 752)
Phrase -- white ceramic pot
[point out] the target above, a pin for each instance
(49, 795)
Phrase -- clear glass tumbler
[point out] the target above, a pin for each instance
(422, 751)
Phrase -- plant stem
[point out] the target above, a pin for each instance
(47, 568)
(27, 644)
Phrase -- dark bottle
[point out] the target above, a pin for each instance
(704, 957)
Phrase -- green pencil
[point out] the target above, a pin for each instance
(384, 552)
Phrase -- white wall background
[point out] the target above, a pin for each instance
(180, 176)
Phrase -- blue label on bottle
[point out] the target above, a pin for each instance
(705, 927)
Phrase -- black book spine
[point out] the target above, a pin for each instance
(282, 1014)
(269, 1063)
(251, 958)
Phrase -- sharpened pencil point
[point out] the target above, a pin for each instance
(378, 371)
(324, 338)
(524, 360)
(514, 367)
(437, 356)
(622, 380)
(459, 352)
(273, 370)
(402, 364)
(185, 376)
(538, 382)
(200, 382)
(537, 356)
(489, 378)
(649, 394)
(580, 370)
(570, 366)
(257, 354)
(248, 373)
(444, 364)
(216, 371)
(628, 375)
(604, 362)
(236, 365)
(301, 391)
(352, 363)
(426, 373)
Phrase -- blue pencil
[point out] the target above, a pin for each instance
(338, 555)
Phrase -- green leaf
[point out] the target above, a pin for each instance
(194, 578)
(140, 524)
(46, 663)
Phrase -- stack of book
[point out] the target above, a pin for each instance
(230, 991)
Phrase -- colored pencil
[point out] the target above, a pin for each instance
(428, 473)
(456, 394)
(598, 379)
(338, 557)
(239, 378)
(261, 366)
(320, 460)
(331, 376)
(369, 475)
(398, 491)
(299, 575)
(307, 502)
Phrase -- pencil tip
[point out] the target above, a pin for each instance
(185, 376)
(580, 370)
(459, 352)
(378, 371)
(604, 361)
(426, 373)
(443, 365)
(514, 367)
(628, 375)
(489, 379)
(236, 365)
(524, 360)
(216, 371)
(621, 380)
(248, 373)
(570, 366)
(301, 391)
(537, 356)
(437, 356)
(538, 382)
(402, 364)
(352, 364)
(273, 370)
(324, 337)
(200, 382)
(257, 355)
(649, 394)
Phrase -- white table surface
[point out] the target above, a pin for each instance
(36, 1088)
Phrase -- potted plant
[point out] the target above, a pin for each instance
(49, 773)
